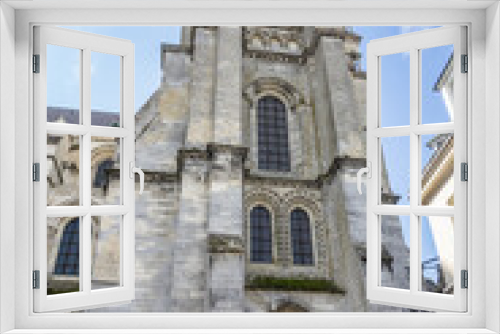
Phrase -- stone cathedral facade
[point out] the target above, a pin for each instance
(250, 148)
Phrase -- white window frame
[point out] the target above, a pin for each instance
(86, 44)
(484, 46)
(413, 44)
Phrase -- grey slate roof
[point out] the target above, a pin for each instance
(71, 116)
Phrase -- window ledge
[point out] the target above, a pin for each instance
(250, 331)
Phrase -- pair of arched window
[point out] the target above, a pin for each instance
(261, 236)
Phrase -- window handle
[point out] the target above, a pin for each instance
(132, 170)
(366, 170)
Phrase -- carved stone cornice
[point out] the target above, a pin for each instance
(149, 175)
(225, 244)
(292, 44)
(194, 160)
(290, 182)
(389, 198)
(341, 163)
(235, 150)
(193, 153)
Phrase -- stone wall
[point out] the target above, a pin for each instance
(157, 210)
(274, 301)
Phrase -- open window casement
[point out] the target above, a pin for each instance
(427, 162)
(73, 151)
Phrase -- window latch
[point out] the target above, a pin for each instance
(366, 170)
(132, 170)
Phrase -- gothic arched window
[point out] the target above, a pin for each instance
(273, 145)
(301, 237)
(68, 256)
(260, 235)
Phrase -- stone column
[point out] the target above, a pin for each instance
(189, 288)
(189, 283)
(348, 140)
(345, 143)
(228, 91)
(347, 220)
(225, 223)
(225, 228)
(200, 129)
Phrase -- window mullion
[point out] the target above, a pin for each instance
(85, 255)
(85, 180)
(85, 177)
(414, 172)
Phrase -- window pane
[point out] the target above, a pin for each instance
(437, 170)
(437, 254)
(106, 245)
(437, 84)
(105, 89)
(63, 84)
(301, 238)
(106, 171)
(395, 89)
(63, 255)
(395, 251)
(395, 170)
(260, 235)
(274, 151)
(63, 170)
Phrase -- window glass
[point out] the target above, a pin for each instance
(301, 238)
(63, 84)
(106, 249)
(395, 89)
(274, 151)
(63, 261)
(260, 235)
(63, 170)
(106, 89)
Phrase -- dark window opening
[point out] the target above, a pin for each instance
(68, 256)
(301, 238)
(260, 235)
(274, 151)
(101, 176)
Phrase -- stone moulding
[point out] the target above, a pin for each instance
(341, 163)
(225, 148)
(205, 153)
(225, 243)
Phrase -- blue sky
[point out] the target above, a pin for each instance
(147, 41)
(63, 88)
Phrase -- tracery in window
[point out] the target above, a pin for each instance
(301, 237)
(260, 235)
(274, 148)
